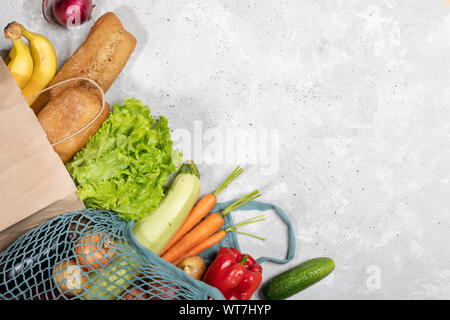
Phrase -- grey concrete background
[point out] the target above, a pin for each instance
(352, 99)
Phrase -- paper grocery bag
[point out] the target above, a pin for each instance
(34, 184)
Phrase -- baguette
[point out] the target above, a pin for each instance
(101, 58)
(67, 113)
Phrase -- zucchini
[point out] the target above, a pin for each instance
(298, 278)
(156, 229)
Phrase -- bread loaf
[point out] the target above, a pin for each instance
(67, 113)
(101, 58)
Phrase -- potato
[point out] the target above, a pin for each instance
(193, 266)
(69, 277)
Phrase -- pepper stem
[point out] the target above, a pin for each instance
(244, 259)
(246, 199)
(236, 173)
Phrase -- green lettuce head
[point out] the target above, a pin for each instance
(125, 165)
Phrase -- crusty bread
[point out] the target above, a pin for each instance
(101, 58)
(68, 112)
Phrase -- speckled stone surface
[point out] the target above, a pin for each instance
(338, 110)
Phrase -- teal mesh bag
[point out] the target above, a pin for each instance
(93, 255)
(231, 239)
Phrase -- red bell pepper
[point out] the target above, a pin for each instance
(236, 275)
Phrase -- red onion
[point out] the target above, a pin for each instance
(69, 13)
(46, 11)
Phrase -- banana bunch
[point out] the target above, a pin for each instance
(32, 67)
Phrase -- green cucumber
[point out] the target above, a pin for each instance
(156, 229)
(298, 278)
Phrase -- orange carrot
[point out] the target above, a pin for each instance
(218, 236)
(201, 209)
(202, 231)
(212, 240)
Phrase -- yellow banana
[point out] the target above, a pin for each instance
(44, 62)
(11, 54)
(20, 63)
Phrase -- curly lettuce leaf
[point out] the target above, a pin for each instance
(126, 164)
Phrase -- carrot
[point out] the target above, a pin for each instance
(201, 209)
(212, 240)
(202, 231)
(218, 236)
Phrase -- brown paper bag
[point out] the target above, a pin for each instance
(34, 184)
